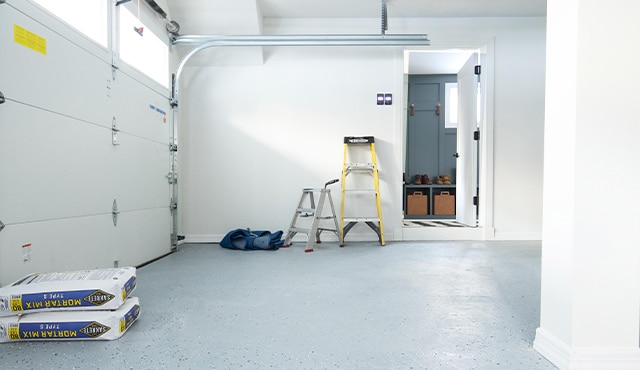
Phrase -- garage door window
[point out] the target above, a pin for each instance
(142, 49)
(88, 17)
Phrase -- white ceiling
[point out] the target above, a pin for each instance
(436, 62)
(401, 8)
(228, 17)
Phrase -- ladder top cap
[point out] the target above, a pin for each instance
(358, 139)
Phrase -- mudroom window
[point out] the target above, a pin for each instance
(451, 105)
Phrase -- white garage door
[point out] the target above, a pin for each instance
(61, 169)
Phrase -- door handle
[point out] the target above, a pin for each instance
(412, 110)
(457, 155)
(438, 109)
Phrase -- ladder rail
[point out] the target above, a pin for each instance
(343, 183)
(376, 181)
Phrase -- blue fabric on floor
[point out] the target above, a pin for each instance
(251, 240)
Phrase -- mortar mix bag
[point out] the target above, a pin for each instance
(100, 289)
(70, 325)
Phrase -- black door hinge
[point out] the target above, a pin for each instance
(475, 200)
(476, 135)
(2, 100)
(477, 69)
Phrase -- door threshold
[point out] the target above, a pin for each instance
(442, 233)
(433, 223)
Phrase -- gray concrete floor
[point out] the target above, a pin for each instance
(423, 305)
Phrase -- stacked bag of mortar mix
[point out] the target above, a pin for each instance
(77, 305)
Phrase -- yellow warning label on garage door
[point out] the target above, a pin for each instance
(29, 39)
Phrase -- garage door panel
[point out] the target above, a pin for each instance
(84, 243)
(71, 168)
(56, 245)
(140, 173)
(63, 77)
(137, 239)
(53, 166)
(146, 114)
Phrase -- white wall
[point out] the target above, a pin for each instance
(253, 136)
(590, 259)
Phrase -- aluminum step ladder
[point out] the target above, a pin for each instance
(355, 192)
(308, 208)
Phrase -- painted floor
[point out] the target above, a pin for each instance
(422, 305)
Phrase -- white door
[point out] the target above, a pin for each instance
(467, 152)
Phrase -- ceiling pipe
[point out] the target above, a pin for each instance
(302, 40)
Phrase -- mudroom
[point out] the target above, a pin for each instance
(430, 174)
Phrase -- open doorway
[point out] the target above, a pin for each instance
(444, 65)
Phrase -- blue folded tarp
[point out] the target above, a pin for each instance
(251, 240)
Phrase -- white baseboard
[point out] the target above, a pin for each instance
(552, 348)
(464, 233)
(442, 233)
(194, 239)
(518, 236)
(585, 358)
(364, 236)
(399, 234)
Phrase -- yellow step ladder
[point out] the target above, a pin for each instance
(309, 208)
(354, 191)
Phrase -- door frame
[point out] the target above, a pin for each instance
(485, 229)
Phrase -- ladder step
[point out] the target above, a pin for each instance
(310, 211)
(326, 217)
(361, 219)
(311, 190)
(360, 170)
(363, 191)
(299, 230)
(323, 229)
(360, 166)
(359, 139)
